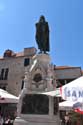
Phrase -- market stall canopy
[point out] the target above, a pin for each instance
(53, 93)
(73, 91)
(6, 97)
(66, 105)
(71, 105)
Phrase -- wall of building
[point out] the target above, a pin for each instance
(14, 68)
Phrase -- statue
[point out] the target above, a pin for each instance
(42, 35)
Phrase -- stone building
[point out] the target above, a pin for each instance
(13, 66)
(66, 74)
(12, 69)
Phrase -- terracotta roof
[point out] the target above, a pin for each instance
(64, 67)
(15, 55)
(82, 72)
(19, 54)
(1, 57)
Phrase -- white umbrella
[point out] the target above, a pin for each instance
(73, 91)
(52, 93)
(6, 97)
(66, 105)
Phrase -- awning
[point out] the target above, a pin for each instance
(6, 97)
(66, 105)
(73, 91)
(53, 93)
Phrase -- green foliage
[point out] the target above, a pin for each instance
(76, 117)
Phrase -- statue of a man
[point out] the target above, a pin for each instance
(42, 35)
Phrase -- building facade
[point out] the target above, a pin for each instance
(12, 69)
(13, 66)
(66, 74)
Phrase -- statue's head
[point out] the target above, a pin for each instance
(42, 18)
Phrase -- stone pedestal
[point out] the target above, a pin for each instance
(43, 59)
(38, 79)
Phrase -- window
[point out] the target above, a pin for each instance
(22, 84)
(35, 104)
(4, 74)
(26, 61)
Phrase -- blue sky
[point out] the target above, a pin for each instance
(65, 18)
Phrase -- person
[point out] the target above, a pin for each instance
(67, 119)
(42, 35)
(7, 120)
(1, 119)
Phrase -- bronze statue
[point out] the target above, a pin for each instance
(42, 35)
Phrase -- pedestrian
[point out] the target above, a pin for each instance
(1, 119)
(67, 119)
(7, 120)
